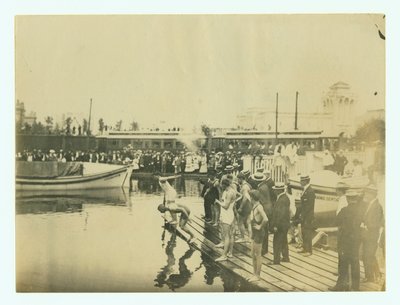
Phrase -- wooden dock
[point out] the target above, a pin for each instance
(314, 273)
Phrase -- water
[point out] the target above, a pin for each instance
(111, 241)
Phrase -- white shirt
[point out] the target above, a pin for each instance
(327, 160)
(305, 188)
(342, 203)
(357, 172)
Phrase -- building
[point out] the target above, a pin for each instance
(154, 140)
(335, 118)
(20, 114)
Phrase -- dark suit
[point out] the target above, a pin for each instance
(281, 221)
(209, 193)
(267, 204)
(373, 220)
(270, 184)
(307, 217)
(349, 240)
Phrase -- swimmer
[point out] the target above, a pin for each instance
(170, 197)
(179, 209)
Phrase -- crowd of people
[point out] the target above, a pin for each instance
(248, 208)
(147, 161)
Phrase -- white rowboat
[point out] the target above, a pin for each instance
(95, 176)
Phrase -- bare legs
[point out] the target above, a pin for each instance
(256, 255)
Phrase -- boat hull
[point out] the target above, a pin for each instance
(326, 200)
(119, 177)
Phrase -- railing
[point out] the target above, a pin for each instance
(281, 168)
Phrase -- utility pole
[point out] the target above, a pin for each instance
(295, 114)
(90, 116)
(276, 117)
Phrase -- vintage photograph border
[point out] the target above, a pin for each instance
(7, 221)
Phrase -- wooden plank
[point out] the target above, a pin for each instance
(328, 259)
(305, 259)
(238, 268)
(290, 269)
(265, 277)
(284, 275)
(245, 266)
(234, 268)
(317, 269)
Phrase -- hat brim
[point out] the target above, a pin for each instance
(258, 179)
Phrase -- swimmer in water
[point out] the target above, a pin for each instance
(179, 209)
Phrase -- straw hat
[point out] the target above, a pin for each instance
(342, 186)
(279, 186)
(246, 173)
(371, 188)
(304, 177)
(352, 193)
(229, 168)
(258, 177)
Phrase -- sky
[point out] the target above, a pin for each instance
(188, 70)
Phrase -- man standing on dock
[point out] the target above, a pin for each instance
(349, 240)
(280, 224)
(307, 214)
(371, 229)
(210, 193)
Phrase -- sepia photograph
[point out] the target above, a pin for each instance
(200, 153)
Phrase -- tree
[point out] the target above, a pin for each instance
(206, 130)
(371, 131)
(38, 128)
(134, 125)
(101, 125)
(27, 128)
(18, 127)
(56, 129)
(85, 127)
(49, 123)
(68, 123)
(118, 125)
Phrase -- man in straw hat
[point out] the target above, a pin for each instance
(280, 224)
(372, 227)
(270, 182)
(307, 214)
(349, 240)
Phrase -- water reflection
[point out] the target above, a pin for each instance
(165, 276)
(32, 202)
(184, 187)
(100, 240)
(58, 205)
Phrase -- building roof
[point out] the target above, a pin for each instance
(339, 85)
